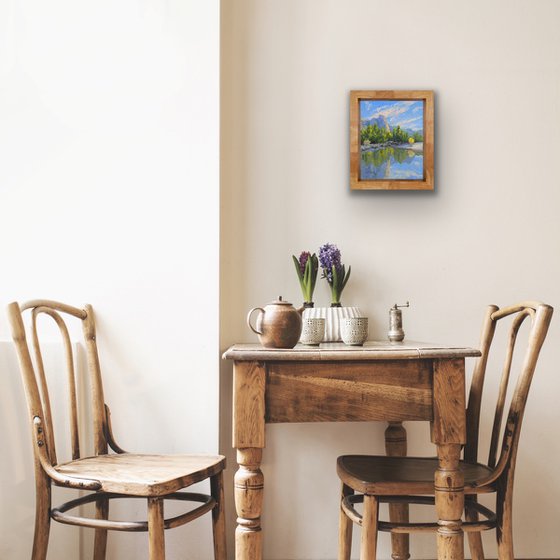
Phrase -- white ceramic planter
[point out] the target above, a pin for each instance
(333, 317)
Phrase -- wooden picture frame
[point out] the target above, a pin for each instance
(391, 140)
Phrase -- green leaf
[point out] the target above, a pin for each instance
(306, 281)
(307, 272)
(334, 276)
(335, 292)
(344, 282)
(298, 271)
(314, 270)
(300, 278)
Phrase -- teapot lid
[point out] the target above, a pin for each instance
(280, 301)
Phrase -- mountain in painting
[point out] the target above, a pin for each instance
(380, 121)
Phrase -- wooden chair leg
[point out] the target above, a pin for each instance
(475, 538)
(345, 528)
(400, 542)
(504, 527)
(396, 446)
(218, 517)
(42, 517)
(100, 542)
(368, 549)
(156, 536)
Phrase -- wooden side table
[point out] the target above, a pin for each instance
(334, 382)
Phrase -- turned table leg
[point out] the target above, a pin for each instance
(448, 433)
(248, 503)
(395, 446)
(248, 439)
(450, 501)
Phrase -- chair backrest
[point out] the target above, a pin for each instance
(539, 316)
(35, 378)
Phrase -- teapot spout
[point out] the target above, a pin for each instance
(306, 305)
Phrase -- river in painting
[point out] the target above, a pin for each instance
(393, 162)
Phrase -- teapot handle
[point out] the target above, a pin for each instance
(249, 319)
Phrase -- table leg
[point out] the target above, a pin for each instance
(249, 482)
(248, 439)
(450, 501)
(448, 433)
(395, 446)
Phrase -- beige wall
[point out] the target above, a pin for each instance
(488, 234)
(109, 194)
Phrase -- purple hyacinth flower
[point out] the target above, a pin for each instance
(303, 258)
(329, 256)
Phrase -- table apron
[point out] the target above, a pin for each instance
(389, 390)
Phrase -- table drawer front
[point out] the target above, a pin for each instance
(350, 391)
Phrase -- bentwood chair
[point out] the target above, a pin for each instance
(377, 479)
(108, 476)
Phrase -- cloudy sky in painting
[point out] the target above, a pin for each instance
(406, 114)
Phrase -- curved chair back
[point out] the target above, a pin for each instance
(539, 316)
(35, 378)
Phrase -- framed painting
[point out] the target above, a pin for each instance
(392, 140)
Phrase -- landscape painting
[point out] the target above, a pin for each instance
(391, 140)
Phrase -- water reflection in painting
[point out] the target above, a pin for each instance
(392, 163)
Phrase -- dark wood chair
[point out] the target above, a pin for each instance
(109, 476)
(410, 480)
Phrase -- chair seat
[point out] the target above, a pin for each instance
(381, 475)
(143, 475)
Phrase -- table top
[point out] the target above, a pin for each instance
(338, 351)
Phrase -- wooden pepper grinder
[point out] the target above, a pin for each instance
(396, 332)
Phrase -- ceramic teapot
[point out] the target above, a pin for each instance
(278, 324)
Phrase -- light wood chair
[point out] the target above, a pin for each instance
(379, 479)
(109, 476)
